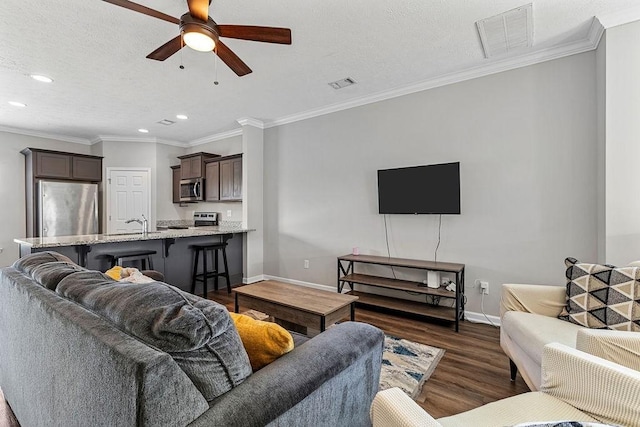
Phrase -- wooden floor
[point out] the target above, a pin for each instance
(473, 371)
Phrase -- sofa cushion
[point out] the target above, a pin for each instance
(49, 274)
(602, 296)
(197, 333)
(264, 341)
(533, 331)
(28, 262)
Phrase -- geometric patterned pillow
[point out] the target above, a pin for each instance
(602, 296)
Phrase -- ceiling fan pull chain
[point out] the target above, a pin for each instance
(181, 46)
(215, 82)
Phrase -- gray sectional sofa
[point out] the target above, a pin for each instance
(70, 355)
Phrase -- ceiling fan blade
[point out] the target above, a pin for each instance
(231, 59)
(167, 49)
(258, 34)
(144, 10)
(199, 9)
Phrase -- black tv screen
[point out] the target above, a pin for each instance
(431, 189)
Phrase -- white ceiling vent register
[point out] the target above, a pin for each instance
(339, 84)
(507, 32)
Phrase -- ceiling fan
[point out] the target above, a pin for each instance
(200, 32)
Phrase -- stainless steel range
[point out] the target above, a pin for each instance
(205, 219)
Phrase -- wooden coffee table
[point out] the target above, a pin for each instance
(299, 305)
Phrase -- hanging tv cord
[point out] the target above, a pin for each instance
(386, 236)
(435, 254)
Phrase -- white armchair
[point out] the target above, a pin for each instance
(529, 321)
(575, 386)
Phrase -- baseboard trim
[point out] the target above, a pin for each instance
(254, 279)
(474, 317)
(301, 283)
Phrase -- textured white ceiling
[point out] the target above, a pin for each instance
(104, 85)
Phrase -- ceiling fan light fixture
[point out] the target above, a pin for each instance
(198, 38)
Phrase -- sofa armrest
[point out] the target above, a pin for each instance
(546, 300)
(622, 347)
(602, 389)
(333, 376)
(393, 408)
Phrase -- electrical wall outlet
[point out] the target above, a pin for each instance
(306, 263)
(1, 249)
(229, 213)
(484, 287)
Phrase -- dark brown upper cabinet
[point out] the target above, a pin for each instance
(231, 179)
(175, 171)
(223, 179)
(192, 165)
(43, 164)
(212, 181)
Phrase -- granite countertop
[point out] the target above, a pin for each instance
(96, 239)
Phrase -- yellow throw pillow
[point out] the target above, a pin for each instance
(263, 341)
(114, 272)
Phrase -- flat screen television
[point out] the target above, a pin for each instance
(430, 189)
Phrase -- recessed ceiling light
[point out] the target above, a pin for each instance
(17, 104)
(41, 78)
(143, 130)
(181, 117)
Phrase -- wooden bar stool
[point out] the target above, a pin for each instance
(212, 248)
(146, 261)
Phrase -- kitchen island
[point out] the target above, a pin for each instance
(173, 256)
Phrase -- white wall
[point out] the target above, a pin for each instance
(124, 154)
(526, 140)
(12, 186)
(622, 144)
(167, 156)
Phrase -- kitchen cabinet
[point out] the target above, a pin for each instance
(231, 179)
(86, 168)
(43, 164)
(223, 179)
(192, 165)
(212, 181)
(175, 171)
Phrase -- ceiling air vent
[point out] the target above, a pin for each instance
(507, 32)
(339, 84)
(166, 122)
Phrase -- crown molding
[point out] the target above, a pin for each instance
(620, 18)
(497, 66)
(248, 121)
(135, 139)
(215, 137)
(46, 135)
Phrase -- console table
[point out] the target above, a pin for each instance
(347, 275)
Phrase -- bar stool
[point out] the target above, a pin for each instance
(212, 248)
(146, 262)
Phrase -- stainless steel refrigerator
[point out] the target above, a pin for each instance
(67, 208)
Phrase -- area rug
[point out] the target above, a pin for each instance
(407, 364)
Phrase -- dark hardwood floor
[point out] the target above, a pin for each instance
(473, 371)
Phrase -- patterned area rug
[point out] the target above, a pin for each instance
(407, 364)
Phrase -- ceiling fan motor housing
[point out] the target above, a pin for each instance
(189, 24)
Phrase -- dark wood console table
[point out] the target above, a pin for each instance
(347, 275)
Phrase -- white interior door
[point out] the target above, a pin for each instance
(129, 196)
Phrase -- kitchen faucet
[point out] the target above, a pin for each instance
(143, 222)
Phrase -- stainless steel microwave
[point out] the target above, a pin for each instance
(191, 190)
